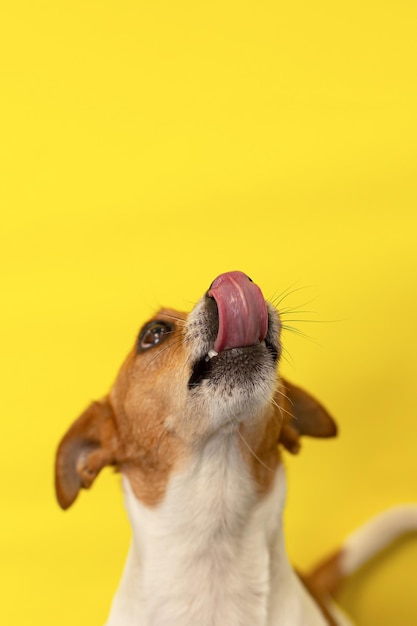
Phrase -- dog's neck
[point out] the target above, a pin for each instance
(212, 552)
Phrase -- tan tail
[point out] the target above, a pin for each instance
(362, 545)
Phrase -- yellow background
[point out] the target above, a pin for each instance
(147, 146)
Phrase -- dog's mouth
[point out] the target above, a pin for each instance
(238, 328)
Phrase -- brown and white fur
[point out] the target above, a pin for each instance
(195, 422)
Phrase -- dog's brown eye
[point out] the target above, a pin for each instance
(152, 334)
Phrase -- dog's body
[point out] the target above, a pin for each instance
(193, 422)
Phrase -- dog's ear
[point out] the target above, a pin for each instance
(304, 415)
(88, 446)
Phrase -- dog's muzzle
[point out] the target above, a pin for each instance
(236, 329)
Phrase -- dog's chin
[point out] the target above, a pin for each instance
(235, 385)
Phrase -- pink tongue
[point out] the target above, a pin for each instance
(243, 317)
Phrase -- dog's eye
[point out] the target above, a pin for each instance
(152, 334)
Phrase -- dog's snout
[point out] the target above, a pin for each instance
(233, 331)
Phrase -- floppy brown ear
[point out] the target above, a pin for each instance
(88, 446)
(304, 416)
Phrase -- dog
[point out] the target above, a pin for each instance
(195, 422)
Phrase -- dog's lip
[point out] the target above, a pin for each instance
(203, 367)
(212, 353)
(243, 316)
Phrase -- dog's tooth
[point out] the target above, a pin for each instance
(263, 343)
(212, 353)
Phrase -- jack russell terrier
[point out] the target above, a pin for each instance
(195, 422)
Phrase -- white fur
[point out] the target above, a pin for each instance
(212, 553)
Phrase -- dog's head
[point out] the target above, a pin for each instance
(190, 377)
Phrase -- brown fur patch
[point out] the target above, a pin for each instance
(129, 429)
(260, 450)
(328, 575)
(139, 397)
(319, 597)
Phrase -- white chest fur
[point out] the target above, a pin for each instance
(212, 553)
